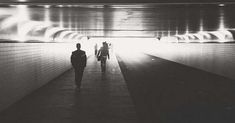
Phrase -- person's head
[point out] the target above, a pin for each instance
(105, 43)
(78, 46)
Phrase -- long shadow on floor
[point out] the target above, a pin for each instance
(168, 92)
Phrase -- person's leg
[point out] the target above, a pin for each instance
(102, 64)
(105, 59)
(78, 77)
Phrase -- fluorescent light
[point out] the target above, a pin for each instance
(22, 0)
(47, 6)
(221, 5)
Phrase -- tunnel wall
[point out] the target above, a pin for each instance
(216, 58)
(25, 67)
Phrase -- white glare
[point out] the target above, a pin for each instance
(221, 19)
(47, 17)
(23, 12)
(220, 36)
(25, 28)
(221, 5)
(169, 39)
(132, 46)
(9, 22)
(200, 37)
(61, 19)
(47, 6)
(205, 36)
(227, 34)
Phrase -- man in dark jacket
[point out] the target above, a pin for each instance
(78, 60)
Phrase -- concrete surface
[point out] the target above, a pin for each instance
(103, 98)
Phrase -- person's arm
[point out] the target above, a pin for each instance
(85, 60)
(98, 53)
(72, 60)
(108, 54)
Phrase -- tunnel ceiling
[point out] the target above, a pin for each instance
(118, 1)
(132, 20)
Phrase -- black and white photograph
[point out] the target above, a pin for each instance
(117, 61)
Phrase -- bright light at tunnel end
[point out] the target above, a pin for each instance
(22, 0)
(131, 47)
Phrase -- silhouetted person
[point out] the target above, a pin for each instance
(78, 60)
(103, 53)
(96, 49)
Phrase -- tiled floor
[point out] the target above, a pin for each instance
(103, 98)
(167, 92)
(162, 92)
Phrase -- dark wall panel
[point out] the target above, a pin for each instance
(25, 67)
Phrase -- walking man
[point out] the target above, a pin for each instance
(78, 60)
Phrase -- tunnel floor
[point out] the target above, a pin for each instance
(103, 98)
(168, 92)
(152, 90)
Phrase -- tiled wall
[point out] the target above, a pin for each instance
(25, 67)
(217, 58)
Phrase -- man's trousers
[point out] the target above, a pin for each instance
(78, 76)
